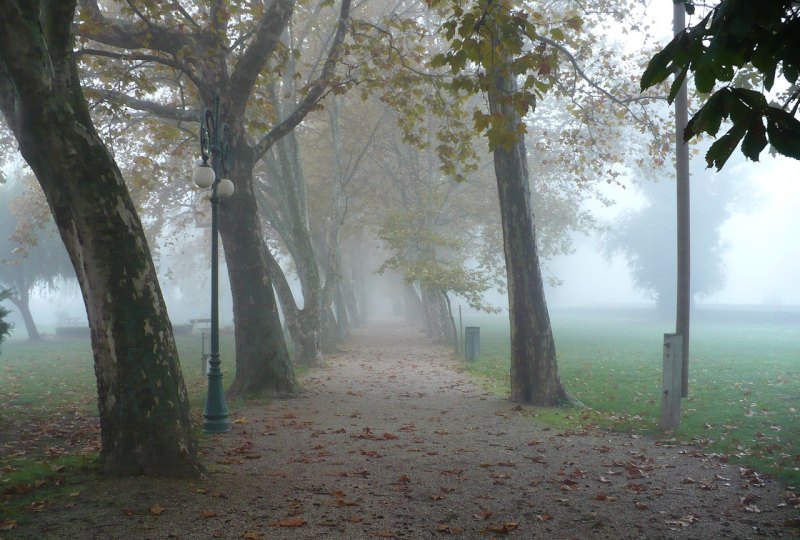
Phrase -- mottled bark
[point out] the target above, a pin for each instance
(534, 371)
(142, 401)
(262, 359)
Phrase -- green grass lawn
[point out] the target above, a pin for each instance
(744, 378)
(48, 396)
(57, 375)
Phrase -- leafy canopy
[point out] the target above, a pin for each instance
(734, 39)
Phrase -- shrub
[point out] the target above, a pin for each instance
(5, 326)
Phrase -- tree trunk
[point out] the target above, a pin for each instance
(144, 410)
(21, 300)
(262, 359)
(534, 371)
(303, 324)
(342, 319)
(351, 302)
(415, 314)
(437, 316)
(684, 270)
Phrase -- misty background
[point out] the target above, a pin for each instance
(759, 255)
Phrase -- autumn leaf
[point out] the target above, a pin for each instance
(208, 514)
(253, 535)
(642, 506)
(502, 528)
(291, 522)
(443, 528)
(241, 420)
(157, 510)
(8, 524)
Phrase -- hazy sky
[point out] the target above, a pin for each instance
(762, 250)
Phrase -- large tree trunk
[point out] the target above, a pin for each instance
(144, 410)
(262, 359)
(534, 371)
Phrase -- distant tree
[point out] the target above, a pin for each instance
(32, 254)
(646, 238)
(744, 45)
(5, 326)
(517, 55)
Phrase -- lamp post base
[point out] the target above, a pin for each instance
(215, 413)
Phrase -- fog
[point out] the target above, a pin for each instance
(760, 252)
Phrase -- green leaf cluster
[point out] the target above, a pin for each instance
(736, 36)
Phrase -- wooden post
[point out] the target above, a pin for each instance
(671, 382)
(460, 331)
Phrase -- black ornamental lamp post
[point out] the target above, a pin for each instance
(214, 144)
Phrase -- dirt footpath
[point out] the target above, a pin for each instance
(389, 441)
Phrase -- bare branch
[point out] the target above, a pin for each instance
(178, 114)
(255, 57)
(317, 91)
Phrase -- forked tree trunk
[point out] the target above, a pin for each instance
(144, 410)
(534, 371)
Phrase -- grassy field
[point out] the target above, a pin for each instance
(57, 375)
(744, 378)
(48, 409)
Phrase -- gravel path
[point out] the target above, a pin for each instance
(389, 441)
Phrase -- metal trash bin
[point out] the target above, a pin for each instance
(472, 342)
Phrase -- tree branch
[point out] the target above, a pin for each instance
(142, 57)
(125, 35)
(255, 57)
(317, 90)
(576, 66)
(169, 112)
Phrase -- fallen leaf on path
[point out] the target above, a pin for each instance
(642, 506)
(442, 528)
(157, 509)
(241, 420)
(291, 522)
(632, 486)
(208, 514)
(8, 524)
(253, 535)
(543, 517)
(502, 528)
